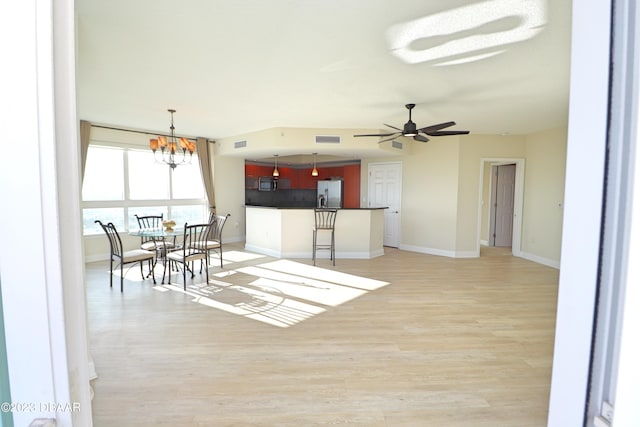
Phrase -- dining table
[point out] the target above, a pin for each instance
(160, 235)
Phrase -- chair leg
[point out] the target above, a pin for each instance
(314, 247)
(220, 255)
(152, 264)
(121, 276)
(164, 270)
(206, 262)
(111, 273)
(184, 275)
(333, 248)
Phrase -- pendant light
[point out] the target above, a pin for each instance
(275, 169)
(314, 172)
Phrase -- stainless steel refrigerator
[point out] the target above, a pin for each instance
(330, 193)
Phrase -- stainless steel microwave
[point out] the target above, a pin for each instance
(266, 183)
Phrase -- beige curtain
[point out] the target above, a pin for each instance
(205, 157)
(85, 136)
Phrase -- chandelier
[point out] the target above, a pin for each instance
(170, 154)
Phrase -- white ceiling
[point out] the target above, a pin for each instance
(230, 67)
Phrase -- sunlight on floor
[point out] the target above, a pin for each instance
(281, 293)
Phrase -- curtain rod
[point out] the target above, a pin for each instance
(147, 133)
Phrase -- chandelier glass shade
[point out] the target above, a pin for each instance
(173, 151)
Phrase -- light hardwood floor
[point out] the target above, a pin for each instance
(431, 341)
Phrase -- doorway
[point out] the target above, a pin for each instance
(501, 210)
(509, 227)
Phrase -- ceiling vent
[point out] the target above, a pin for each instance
(327, 139)
(239, 144)
(396, 144)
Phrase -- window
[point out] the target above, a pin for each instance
(122, 181)
(103, 164)
(148, 180)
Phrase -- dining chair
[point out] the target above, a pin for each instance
(117, 254)
(325, 220)
(153, 222)
(193, 248)
(214, 239)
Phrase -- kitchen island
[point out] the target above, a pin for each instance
(288, 232)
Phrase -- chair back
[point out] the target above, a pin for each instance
(195, 240)
(325, 218)
(216, 224)
(114, 238)
(153, 222)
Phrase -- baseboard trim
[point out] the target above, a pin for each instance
(540, 260)
(439, 252)
(95, 258)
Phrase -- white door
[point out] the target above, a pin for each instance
(505, 179)
(385, 190)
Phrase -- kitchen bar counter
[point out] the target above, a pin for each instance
(295, 207)
(288, 232)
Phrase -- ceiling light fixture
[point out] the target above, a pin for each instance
(275, 169)
(169, 148)
(314, 172)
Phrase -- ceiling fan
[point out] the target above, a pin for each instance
(410, 129)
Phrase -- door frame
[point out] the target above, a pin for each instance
(518, 200)
(493, 212)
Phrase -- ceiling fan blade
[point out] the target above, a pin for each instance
(392, 127)
(433, 128)
(421, 138)
(447, 132)
(389, 139)
(377, 134)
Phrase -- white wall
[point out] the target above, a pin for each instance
(430, 197)
(229, 184)
(546, 154)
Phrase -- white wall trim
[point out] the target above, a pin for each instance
(587, 136)
(541, 260)
(439, 252)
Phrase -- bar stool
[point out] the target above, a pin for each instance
(325, 219)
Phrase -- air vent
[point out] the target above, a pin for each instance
(239, 144)
(327, 139)
(396, 144)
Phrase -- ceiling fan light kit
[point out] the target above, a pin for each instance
(410, 129)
